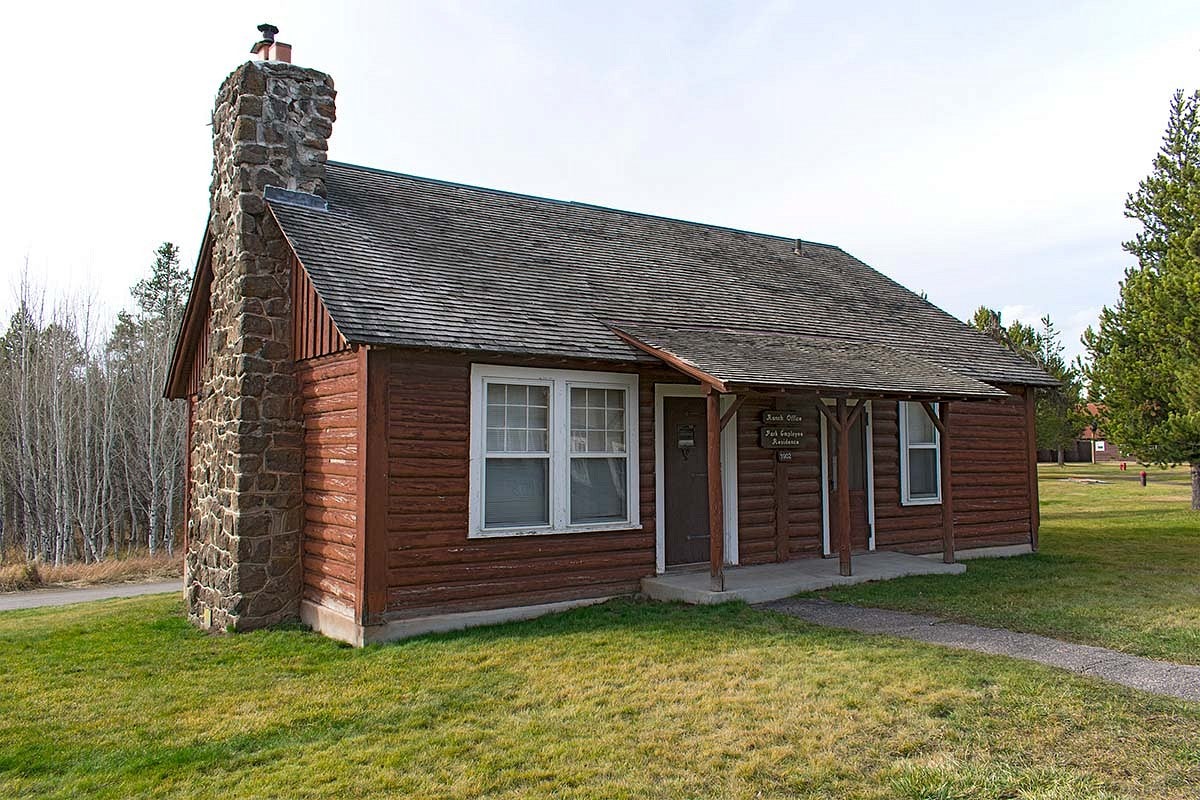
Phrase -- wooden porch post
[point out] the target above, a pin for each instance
(782, 546)
(1035, 511)
(942, 423)
(947, 490)
(843, 483)
(716, 505)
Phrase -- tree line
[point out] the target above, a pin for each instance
(1145, 351)
(1143, 357)
(91, 454)
(1060, 411)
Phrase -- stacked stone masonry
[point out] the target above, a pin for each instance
(271, 124)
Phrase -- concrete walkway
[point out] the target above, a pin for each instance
(1159, 677)
(60, 597)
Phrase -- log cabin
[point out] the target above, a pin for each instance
(418, 405)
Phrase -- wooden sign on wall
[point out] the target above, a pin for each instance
(780, 437)
(781, 430)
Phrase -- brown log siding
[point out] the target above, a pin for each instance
(329, 398)
(433, 567)
(757, 542)
(990, 480)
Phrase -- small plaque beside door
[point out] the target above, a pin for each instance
(685, 436)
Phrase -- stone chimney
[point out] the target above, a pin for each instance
(270, 127)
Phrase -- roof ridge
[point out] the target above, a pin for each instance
(579, 204)
(754, 331)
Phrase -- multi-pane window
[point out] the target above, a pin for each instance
(552, 451)
(920, 481)
(518, 455)
(599, 475)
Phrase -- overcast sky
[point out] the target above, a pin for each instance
(981, 156)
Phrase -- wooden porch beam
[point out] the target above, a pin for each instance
(674, 361)
(933, 416)
(733, 409)
(943, 425)
(830, 417)
(716, 505)
(859, 408)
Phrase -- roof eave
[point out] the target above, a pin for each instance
(192, 324)
(674, 361)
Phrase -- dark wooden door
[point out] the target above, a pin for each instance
(860, 523)
(685, 480)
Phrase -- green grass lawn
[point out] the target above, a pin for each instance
(1118, 566)
(124, 699)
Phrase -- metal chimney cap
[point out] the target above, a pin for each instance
(267, 45)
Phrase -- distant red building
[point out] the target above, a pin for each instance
(1090, 448)
(1101, 449)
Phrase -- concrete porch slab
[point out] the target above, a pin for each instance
(767, 582)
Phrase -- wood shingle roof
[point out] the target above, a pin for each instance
(409, 261)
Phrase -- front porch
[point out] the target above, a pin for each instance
(767, 582)
(783, 376)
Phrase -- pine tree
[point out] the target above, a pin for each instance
(163, 294)
(1145, 355)
(1060, 415)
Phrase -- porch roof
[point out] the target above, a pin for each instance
(726, 358)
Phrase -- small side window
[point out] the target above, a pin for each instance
(920, 457)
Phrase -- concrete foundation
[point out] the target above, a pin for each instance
(1004, 551)
(345, 629)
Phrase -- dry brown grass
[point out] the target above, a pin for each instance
(128, 569)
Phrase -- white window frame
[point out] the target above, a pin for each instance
(560, 382)
(906, 497)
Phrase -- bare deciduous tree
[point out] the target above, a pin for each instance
(91, 455)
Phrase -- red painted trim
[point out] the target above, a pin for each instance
(191, 327)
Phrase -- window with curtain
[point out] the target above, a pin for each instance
(920, 481)
(552, 451)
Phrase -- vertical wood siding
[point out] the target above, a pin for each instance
(432, 566)
(200, 357)
(329, 399)
(990, 480)
(313, 332)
